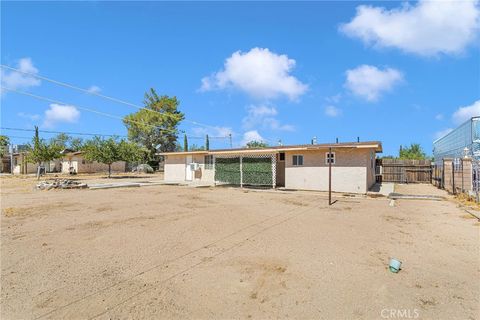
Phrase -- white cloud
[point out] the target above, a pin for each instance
(334, 99)
(18, 80)
(439, 117)
(260, 73)
(94, 89)
(332, 111)
(60, 113)
(250, 136)
(464, 113)
(369, 82)
(264, 116)
(426, 28)
(441, 133)
(31, 117)
(275, 124)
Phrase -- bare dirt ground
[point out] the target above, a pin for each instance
(419, 188)
(215, 253)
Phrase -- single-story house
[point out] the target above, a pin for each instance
(301, 167)
(74, 161)
(21, 166)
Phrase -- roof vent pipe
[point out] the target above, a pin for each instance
(336, 140)
(314, 140)
(358, 139)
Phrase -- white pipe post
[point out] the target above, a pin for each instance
(274, 176)
(241, 171)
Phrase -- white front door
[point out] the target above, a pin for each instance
(188, 170)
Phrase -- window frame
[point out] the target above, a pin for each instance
(298, 157)
(327, 158)
(209, 165)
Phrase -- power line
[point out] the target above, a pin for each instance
(103, 114)
(66, 132)
(203, 137)
(85, 133)
(17, 137)
(67, 85)
(88, 109)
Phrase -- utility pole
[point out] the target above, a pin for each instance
(10, 149)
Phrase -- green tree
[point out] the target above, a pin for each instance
(257, 144)
(65, 141)
(194, 147)
(4, 142)
(414, 151)
(62, 140)
(132, 152)
(76, 144)
(185, 143)
(101, 150)
(41, 151)
(207, 143)
(111, 150)
(156, 126)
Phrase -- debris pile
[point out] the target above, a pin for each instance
(61, 184)
(143, 168)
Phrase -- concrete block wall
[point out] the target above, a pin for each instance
(464, 183)
(447, 174)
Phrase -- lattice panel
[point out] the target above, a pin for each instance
(227, 170)
(255, 170)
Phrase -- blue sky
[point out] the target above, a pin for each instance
(394, 72)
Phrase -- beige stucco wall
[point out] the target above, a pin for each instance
(349, 173)
(175, 166)
(174, 169)
(31, 168)
(19, 163)
(371, 169)
(83, 166)
(204, 175)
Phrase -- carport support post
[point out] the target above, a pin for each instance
(241, 171)
(274, 171)
(329, 177)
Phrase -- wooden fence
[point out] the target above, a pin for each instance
(404, 171)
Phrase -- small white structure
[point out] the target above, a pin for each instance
(73, 161)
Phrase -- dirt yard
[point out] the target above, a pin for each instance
(216, 253)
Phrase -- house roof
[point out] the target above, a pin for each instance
(70, 152)
(377, 145)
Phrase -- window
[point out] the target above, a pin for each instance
(282, 156)
(209, 162)
(330, 157)
(298, 160)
